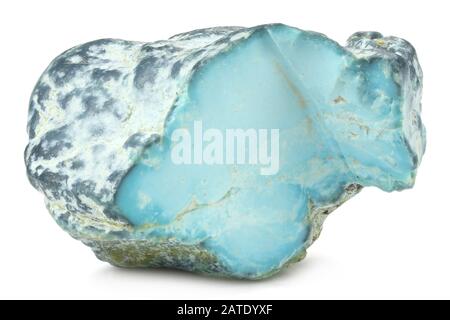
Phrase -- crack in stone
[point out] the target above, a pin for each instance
(194, 205)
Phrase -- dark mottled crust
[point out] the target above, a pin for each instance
(90, 62)
(139, 140)
(42, 92)
(51, 183)
(146, 71)
(150, 254)
(63, 70)
(175, 69)
(105, 75)
(32, 123)
(52, 143)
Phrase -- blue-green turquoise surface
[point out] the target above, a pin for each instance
(102, 116)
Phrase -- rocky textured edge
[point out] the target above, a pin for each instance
(86, 213)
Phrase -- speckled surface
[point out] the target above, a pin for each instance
(100, 105)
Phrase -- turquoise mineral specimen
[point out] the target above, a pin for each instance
(221, 150)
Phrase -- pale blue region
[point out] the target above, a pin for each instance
(367, 126)
(372, 98)
(247, 238)
(264, 219)
(279, 78)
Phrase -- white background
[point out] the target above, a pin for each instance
(377, 245)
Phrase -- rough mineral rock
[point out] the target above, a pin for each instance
(107, 117)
